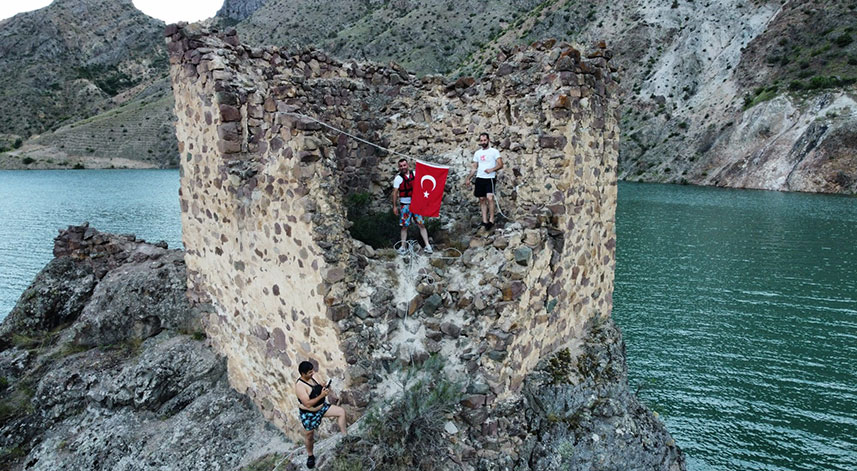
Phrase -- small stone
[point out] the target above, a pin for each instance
(425, 289)
(360, 312)
(432, 346)
(523, 255)
(338, 312)
(450, 428)
(478, 387)
(229, 113)
(415, 304)
(435, 335)
(496, 356)
(450, 330)
(477, 242)
(512, 290)
(532, 237)
(432, 303)
(332, 275)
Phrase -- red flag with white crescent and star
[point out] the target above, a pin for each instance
(429, 182)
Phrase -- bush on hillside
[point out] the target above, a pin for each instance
(407, 431)
(378, 229)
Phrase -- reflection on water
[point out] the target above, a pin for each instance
(739, 309)
(35, 203)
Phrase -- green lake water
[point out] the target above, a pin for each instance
(739, 311)
(739, 308)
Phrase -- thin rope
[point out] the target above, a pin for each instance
(497, 201)
(292, 453)
(351, 135)
(334, 128)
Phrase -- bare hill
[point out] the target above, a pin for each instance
(73, 59)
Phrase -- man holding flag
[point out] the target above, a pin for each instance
(419, 194)
(403, 189)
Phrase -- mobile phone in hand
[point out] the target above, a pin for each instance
(328, 383)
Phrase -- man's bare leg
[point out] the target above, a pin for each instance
(483, 206)
(309, 439)
(490, 202)
(424, 234)
(339, 413)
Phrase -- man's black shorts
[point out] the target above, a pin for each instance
(484, 186)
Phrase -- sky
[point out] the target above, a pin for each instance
(170, 11)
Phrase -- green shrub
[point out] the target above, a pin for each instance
(821, 81)
(378, 229)
(407, 432)
(843, 40)
(79, 166)
(27, 160)
(760, 95)
(18, 143)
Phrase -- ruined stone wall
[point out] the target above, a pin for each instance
(265, 229)
(551, 116)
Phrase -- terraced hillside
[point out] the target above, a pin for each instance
(137, 134)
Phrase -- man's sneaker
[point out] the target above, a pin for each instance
(428, 250)
(402, 251)
(310, 462)
(489, 225)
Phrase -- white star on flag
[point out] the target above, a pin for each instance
(429, 182)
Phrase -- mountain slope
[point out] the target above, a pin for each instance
(71, 59)
(693, 72)
(698, 78)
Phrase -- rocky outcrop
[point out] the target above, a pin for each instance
(580, 414)
(234, 11)
(103, 366)
(156, 400)
(788, 145)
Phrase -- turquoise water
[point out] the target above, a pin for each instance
(34, 204)
(739, 308)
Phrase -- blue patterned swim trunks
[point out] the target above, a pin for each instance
(311, 420)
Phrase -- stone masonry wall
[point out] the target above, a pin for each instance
(262, 195)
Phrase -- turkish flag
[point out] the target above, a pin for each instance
(429, 182)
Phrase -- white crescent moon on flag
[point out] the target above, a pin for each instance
(428, 177)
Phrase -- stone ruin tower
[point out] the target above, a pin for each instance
(263, 192)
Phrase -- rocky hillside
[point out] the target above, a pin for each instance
(739, 93)
(75, 64)
(73, 59)
(234, 11)
(697, 77)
